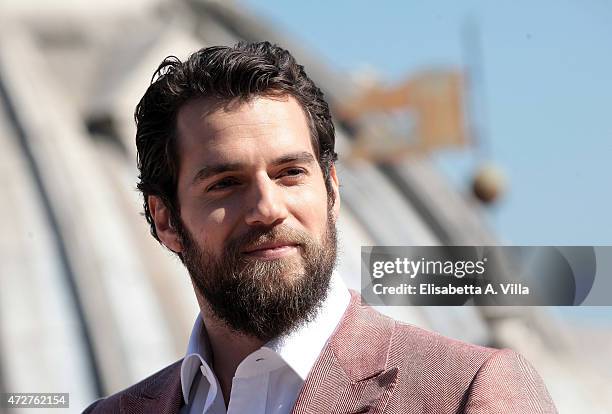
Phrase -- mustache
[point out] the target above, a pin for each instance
(262, 235)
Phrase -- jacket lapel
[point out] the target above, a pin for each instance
(350, 375)
(134, 404)
(161, 395)
(367, 396)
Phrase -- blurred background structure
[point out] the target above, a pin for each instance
(90, 303)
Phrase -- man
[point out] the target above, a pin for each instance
(236, 158)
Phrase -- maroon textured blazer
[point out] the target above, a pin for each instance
(374, 364)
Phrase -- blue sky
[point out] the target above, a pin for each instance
(547, 84)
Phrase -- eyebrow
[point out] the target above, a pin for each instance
(303, 157)
(208, 171)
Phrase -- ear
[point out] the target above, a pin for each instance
(336, 189)
(163, 224)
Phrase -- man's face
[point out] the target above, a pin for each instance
(257, 230)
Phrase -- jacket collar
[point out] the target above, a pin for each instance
(351, 374)
(161, 393)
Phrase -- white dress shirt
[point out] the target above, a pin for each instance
(268, 380)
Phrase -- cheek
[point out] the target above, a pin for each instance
(207, 225)
(212, 229)
(217, 216)
(310, 208)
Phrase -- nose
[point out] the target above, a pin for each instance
(267, 206)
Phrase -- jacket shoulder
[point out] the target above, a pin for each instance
(427, 357)
(438, 346)
(150, 387)
(448, 375)
(507, 383)
(409, 342)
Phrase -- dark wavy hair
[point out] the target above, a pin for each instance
(242, 71)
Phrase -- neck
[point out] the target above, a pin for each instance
(228, 347)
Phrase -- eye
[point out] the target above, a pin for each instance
(223, 184)
(293, 172)
(292, 176)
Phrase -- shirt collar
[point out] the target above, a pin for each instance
(298, 350)
(198, 354)
(301, 347)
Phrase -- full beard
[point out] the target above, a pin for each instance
(263, 298)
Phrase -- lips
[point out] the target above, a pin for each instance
(277, 245)
(271, 250)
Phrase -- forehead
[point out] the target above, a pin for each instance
(210, 130)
